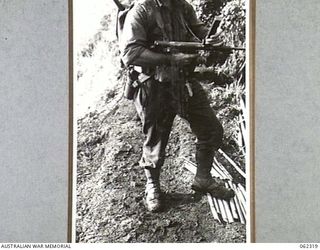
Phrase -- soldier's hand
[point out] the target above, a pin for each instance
(184, 59)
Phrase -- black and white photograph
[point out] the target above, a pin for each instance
(161, 121)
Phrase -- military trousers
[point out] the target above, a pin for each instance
(156, 106)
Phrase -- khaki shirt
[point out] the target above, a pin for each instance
(141, 26)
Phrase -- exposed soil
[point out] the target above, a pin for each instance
(110, 184)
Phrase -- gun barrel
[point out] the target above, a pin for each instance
(174, 44)
(193, 46)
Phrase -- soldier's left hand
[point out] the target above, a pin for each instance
(184, 59)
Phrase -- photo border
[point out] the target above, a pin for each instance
(251, 73)
(71, 165)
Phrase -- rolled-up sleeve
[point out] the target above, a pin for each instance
(133, 40)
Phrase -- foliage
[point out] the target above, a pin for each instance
(208, 9)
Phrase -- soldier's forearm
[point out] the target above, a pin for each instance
(150, 58)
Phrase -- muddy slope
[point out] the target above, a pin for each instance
(110, 184)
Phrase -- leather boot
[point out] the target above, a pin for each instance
(204, 182)
(153, 196)
(204, 158)
(209, 185)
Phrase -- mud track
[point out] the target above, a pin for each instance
(110, 184)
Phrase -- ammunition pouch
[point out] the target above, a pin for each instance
(131, 83)
(134, 81)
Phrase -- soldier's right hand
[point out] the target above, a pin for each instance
(184, 59)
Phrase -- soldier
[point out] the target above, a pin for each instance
(158, 99)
